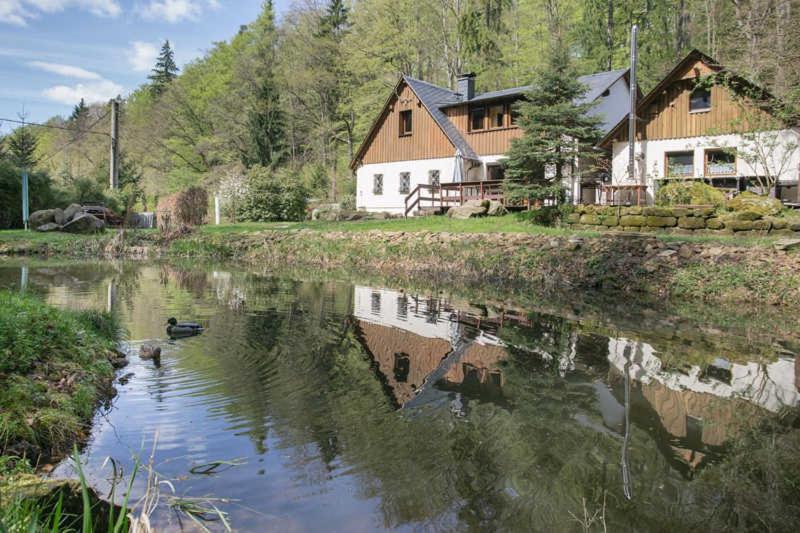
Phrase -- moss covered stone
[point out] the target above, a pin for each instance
(589, 219)
(574, 218)
(739, 225)
(715, 223)
(657, 211)
(661, 221)
(762, 205)
(778, 223)
(703, 211)
(762, 225)
(747, 215)
(691, 222)
(680, 211)
(632, 220)
(609, 220)
(633, 210)
(794, 225)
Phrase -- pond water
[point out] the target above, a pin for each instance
(353, 407)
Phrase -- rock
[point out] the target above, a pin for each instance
(680, 212)
(609, 220)
(691, 223)
(574, 218)
(50, 226)
(58, 216)
(657, 212)
(777, 223)
(465, 211)
(794, 225)
(496, 209)
(661, 221)
(685, 252)
(703, 211)
(477, 203)
(763, 205)
(84, 223)
(786, 244)
(592, 220)
(573, 243)
(634, 210)
(150, 351)
(41, 217)
(667, 253)
(747, 215)
(633, 220)
(715, 223)
(739, 225)
(762, 225)
(71, 211)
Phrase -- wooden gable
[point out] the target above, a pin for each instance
(489, 141)
(385, 144)
(664, 113)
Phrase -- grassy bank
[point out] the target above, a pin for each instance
(496, 251)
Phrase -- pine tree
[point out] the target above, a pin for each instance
(164, 71)
(558, 131)
(80, 111)
(22, 148)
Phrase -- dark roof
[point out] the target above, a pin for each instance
(434, 98)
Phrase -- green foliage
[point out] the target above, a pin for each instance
(21, 146)
(41, 194)
(689, 193)
(748, 201)
(271, 196)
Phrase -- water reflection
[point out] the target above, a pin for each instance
(361, 408)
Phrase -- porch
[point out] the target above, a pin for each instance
(439, 197)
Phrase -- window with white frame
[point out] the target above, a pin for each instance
(679, 164)
(405, 182)
(377, 184)
(433, 178)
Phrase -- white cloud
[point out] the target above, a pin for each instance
(142, 56)
(19, 12)
(66, 70)
(92, 92)
(176, 10)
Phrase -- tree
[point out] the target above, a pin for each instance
(558, 131)
(79, 112)
(22, 148)
(164, 71)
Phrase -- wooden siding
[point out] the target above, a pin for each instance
(484, 142)
(427, 141)
(668, 115)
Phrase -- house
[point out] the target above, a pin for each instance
(426, 136)
(692, 126)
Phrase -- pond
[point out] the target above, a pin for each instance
(311, 405)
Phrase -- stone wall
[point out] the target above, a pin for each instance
(681, 220)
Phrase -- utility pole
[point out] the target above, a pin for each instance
(113, 164)
(632, 114)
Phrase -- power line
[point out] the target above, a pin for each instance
(63, 128)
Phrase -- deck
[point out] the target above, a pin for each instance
(440, 197)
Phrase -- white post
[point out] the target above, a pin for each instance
(632, 114)
(216, 209)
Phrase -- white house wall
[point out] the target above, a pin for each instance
(651, 156)
(380, 306)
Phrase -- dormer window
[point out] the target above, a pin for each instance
(497, 116)
(405, 122)
(699, 101)
(477, 118)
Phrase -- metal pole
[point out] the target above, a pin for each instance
(632, 113)
(216, 209)
(25, 204)
(113, 164)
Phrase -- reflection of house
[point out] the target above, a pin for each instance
(412, 342)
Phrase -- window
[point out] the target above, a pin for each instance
(680, 165)
(402, 366)
(497, 116)
(405, 182)
(433, 178)
(720, 163)
(495, 172)
(477, 118)
(513, 114)
(405, 122)
(700, 100)
(375, 303)
(377, 184)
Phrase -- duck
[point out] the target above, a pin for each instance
(150, 351)
(182, 329)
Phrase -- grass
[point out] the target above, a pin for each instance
(54, 368)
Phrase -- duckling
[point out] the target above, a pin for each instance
(182, 329)
(150, 351)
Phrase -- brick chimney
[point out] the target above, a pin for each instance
(466, 86)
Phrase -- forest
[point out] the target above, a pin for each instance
(285, 102)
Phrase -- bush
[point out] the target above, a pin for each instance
(41, 194)
(750, 202)
(185, 208)
(550, 215)
(689, 193)
(271, 197)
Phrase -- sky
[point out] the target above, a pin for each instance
(53, 52)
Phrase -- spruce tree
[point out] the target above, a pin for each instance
(164, 71)
(79, 112)
(558, 131)
(22, 148)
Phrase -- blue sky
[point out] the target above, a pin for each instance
(52, 52)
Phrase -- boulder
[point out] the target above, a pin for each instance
(633, 220)
(592, 220)
(609, 220)
(71, 211)
(58, 216)
(496, 209)
(661, 221)
(763, 205)
(777, 223)
(703, 211)
(715, 223)
(657, 212)
(50, 226)
(466, 211)
(41, 217)
(739, 225)
(692, 223)
(747, 215)
(574, 218)
(84, 223)
(787, 244)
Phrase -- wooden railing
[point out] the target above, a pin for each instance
(450, 194)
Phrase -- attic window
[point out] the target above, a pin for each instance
(497, 116)
(477, 118)
(700, 100)
(405, 122)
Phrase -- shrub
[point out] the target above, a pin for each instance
(185, 208)
(272, 197)
(763, 205)
(546, 216)
(41, 194)
(689, 193)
